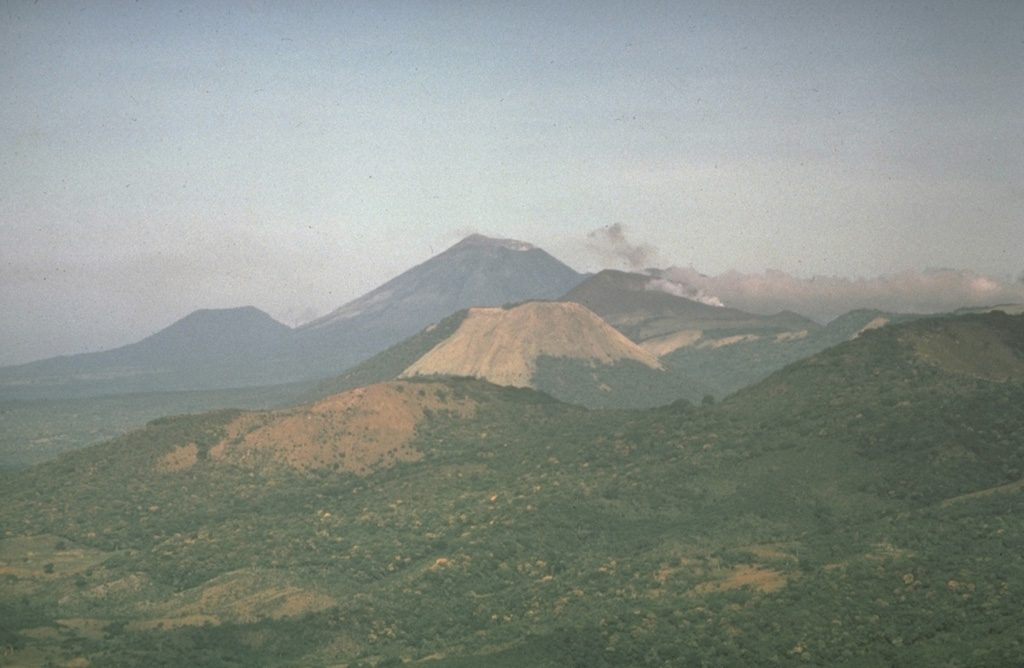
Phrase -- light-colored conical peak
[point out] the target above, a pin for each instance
(502, 344)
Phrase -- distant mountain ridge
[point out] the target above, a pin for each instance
(640, 308)
(692, 349)
(244, 347)
(207, 349)
(705, 348)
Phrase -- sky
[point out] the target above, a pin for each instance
(161, 157)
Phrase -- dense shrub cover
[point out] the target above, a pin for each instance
(862, 507)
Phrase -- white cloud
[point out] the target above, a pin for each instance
(826, 297)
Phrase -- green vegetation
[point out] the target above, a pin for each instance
(728, 368)
(860, 508)
(621, 384)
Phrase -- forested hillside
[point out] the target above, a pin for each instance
(862, 507)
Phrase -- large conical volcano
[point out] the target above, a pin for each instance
(477, 271)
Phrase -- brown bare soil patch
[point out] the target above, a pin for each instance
(86, 627)
(239, 597)
(235, 604)
(764, 580)
(179, 459)
(874, 324)
(663, 574)
(355, 431)
(663, 345)
(502, 345)
(771, 551)
(174, 622)
(728, 341)
(791, 336)
(28, 556)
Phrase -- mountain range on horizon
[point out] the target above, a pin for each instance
(245, 347)
(665, 347)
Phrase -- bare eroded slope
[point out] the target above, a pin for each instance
(356, 431)
(502, 345)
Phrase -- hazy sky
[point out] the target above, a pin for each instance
(157, 157)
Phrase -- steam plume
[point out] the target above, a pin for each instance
(663, 284)
(610, 243)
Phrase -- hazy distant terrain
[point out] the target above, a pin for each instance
(35, 431)
(718, 349)
(683, 349)
(245, 347)
(673, 347)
